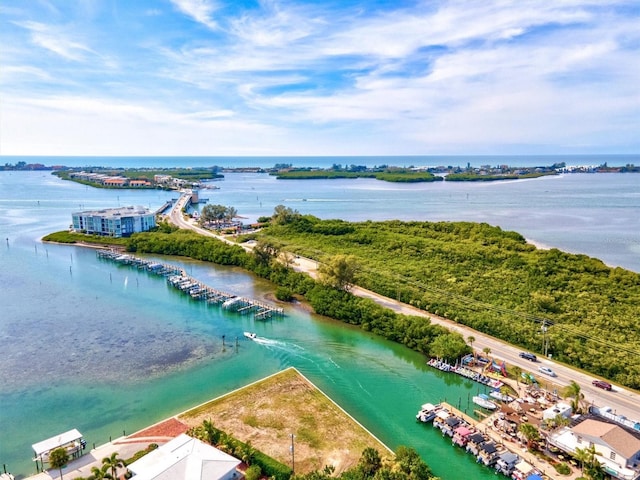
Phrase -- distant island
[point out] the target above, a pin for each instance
(177, 178)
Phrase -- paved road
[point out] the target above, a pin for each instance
(622, 401)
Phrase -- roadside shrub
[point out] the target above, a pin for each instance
(562, 468)
(253, 473)
(271, 467)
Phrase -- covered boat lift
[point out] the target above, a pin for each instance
(71, 441)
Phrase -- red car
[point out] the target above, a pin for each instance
(601, 384)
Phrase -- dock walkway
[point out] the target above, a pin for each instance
(178, 278)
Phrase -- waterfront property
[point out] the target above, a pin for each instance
(186, 458)
(71, 441)
(617, 448)
(114, 222)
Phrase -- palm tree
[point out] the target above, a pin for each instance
(113, 463)
(573, 391)
(530, 432)
(58, 458)
(486, 351)
(100, 473)
(582, 456)
(517, 371)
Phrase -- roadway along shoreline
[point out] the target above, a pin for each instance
(621, 400)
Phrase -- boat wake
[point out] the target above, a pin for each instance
(279, 345)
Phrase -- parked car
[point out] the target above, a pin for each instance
(528, 356)
(547, 371)
(602, 384)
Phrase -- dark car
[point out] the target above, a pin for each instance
(528, 356)
(602, 384)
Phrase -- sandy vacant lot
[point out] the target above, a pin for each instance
(266, 413)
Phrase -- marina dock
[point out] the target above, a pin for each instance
(178, 278)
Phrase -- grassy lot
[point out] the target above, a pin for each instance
(265, 413)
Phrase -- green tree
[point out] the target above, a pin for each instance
(101, 473)
(531, 433)
(340, 272)
(582, 456)
(113, 463)
(410, 463)
(283, 215)
(448, 346)
(573, 391)
(213, 213)
(370, 462)
(517, 371)
(254, 472)
(58, 458)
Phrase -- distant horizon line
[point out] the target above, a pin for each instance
(335, 156)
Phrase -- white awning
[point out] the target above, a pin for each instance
(57, 441)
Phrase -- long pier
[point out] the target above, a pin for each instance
(178, 278)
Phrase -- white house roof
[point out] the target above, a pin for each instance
(57, 441)
(184, 458)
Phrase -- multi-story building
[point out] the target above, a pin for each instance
(114, 222)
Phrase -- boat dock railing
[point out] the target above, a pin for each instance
(178, 278)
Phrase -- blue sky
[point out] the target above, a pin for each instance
(241, 77)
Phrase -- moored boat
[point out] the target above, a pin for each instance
(428, 412)
(498, 395)
(484, 402)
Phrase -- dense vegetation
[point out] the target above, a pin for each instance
(72, 237)
(490, 280)
(388, 175)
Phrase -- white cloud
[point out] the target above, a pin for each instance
(436, 77)
(200, 10)
(56, 41)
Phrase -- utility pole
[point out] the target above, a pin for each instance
(545, 343)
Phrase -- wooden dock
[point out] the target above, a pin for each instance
(178, 278)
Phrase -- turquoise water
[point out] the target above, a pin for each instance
(103, 348)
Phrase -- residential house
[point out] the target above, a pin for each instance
(186, 458)
(617, 448)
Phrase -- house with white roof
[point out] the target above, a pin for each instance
(618, 450)
(186, 458)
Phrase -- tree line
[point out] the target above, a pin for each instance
(573, 307)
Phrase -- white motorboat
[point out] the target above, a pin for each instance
(250, 335)
(501, 396)
(428, 412)
(484, 402)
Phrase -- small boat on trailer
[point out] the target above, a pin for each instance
(250, 335)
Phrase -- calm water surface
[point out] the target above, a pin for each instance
(103, 348)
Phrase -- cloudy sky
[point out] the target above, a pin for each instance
(319, 77)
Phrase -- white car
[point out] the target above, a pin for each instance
(547, 371)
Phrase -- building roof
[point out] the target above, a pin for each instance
(184, 458)
(56, 441)
(613, 435)
(116, 212)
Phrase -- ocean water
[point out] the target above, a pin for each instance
(104, 348)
